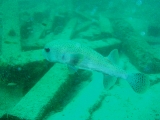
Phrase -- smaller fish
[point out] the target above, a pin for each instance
(44, 24)
(78, 56)
(12, 84)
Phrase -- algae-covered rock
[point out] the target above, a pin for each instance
(138, 50)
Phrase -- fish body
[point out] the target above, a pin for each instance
(80, 56)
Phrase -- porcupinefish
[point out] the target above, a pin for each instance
(79, 56)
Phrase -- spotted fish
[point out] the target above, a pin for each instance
(80, 56)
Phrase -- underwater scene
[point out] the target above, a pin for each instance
(79, 60)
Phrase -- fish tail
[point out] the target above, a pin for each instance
(139, 82)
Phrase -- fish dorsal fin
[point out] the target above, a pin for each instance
(113, 56)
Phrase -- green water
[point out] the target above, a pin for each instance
(32, 88)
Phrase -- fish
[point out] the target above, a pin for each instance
(11, 84)
(80, 56)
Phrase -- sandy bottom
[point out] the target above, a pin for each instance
(123, 104)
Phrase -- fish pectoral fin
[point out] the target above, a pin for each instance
(75, 59)
(72, 69)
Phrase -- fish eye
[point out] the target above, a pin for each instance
(47, 49)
